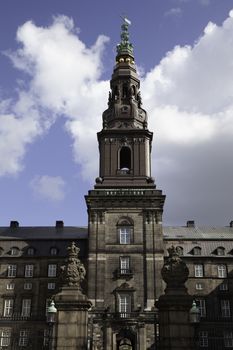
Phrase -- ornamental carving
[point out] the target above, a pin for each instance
(174, 272)
(73, 272)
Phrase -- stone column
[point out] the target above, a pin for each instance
(71, 329)
(175, 330)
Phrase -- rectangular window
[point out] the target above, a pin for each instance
(222, 271)
(225, 308)
(202, 307)
(198, 270)
(203, 339)
(27, 285)
(5, 338)
(28, 270)
(228, 339)
(10, 286)
(52, 270)
(11, 270)
(26, 307)
(124, 265)
(223, 286)
(23, 337)
(199, 286)
(125, 233)
(124, 304)
(51, 285)
(8, 307)
(46, 337)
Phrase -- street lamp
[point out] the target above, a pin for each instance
(51, 319)
(194, 318)
(194, 314)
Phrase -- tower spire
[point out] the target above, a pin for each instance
(125, 46)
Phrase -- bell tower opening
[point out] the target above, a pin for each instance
(125, 158)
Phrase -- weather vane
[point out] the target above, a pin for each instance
(126, 20)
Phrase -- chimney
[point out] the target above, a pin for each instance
(14, 224)
(190, 223)
(59, 224)
(231, 224)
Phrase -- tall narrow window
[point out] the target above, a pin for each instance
(124, 235)
(5, 338)
(203, 339)
(23, 337)
(198, 270)
(202, 307)
(125, 158)
(26, 307)
(225, 308)
(52, 270)
(28, 270)
(228, 339)
(124, 304)
(124, 265)
(8, 307)
(11, 270)
(222, 271)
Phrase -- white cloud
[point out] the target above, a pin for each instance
(173, 12)
(49, 187)
(63, 78)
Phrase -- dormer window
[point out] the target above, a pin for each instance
(53, 251)
(220, 251)
(196, 251)
(14, 251)
(30, 251)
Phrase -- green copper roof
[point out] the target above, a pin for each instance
(125, 46)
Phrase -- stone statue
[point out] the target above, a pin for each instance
(73, 272)
(174, 272)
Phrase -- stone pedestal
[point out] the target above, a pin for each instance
(175, 330)
(71, 329)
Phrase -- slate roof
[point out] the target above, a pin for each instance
(37, 232)
(198, 233)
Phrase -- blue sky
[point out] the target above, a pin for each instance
(56, 59)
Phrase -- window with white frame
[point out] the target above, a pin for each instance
(222, 271)
(197, 251)
(124, 303)
(23, 337)
(198, 270)
(202, 307)
(27, 286)
(203, 339)
(30, 251)
(220, 251)
(124, 264)
(12, 270)
(199, 286)
(225, 308)
(228, 339)
(53, 251)
(47, 303)
(5, 338)
(125, 235)
(8, 307)
(223, 286)
(14, 251)
(51, 285)
(28, 272)
(26, 308)
(10, 286)
(52, 270)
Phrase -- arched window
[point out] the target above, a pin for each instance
(53, 251)
(30, 251)
(220, 251)
(125, 231)
(180, 250)
(14, 251)
(125, 158)
(196, 251)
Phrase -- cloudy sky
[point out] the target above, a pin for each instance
(56, 59)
